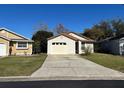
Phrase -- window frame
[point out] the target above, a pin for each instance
(83, 46)
(17, 47)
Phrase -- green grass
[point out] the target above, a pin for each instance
(107, 60)
(20, 65)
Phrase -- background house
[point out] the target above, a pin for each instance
(13, 43)
(114, 45)
(69, 43)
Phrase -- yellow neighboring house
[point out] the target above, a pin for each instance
(12, 43)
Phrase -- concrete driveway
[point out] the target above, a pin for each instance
(74, 67)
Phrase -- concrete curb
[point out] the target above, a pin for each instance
(29, 78)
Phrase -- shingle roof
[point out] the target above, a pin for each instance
(9, 39)
(66, 34)
(75, 39)
(13, 33)
(81, 36)
(112, 38)
(69, 36)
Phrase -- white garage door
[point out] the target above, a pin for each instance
(2, 50)
(59, 48)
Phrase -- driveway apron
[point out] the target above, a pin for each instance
(73, 66)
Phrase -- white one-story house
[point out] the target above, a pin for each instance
(69, 43)
(113, 45)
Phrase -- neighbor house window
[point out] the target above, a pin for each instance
(22, 45)
(122, 47)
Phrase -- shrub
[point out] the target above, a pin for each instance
(87, 50)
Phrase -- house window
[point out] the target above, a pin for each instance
(22, 45)
(83, 46)
(53, 43)
(57, 43)
(64, 43)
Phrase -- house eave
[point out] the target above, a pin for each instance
(13, 33)
(5, 38)
(62, 35)
(87, 41)
(23, 40)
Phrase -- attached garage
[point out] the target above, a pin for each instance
(4, 46)
(61, 45)
(69, 43)
(3, 49)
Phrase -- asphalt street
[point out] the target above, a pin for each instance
(64, 84)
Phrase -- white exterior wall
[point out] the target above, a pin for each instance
(120, 50)
(91, 46)
(69, 48)
(121, 44)
(80, 45)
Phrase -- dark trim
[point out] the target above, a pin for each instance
(63, 35)
(4, 38)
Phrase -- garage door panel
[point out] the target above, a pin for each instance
(2, 50)
(59, 49)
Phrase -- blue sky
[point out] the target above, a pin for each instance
(24, 19)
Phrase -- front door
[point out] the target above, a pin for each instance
(77, 47)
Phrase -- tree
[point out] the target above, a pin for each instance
(105, 27)
(40, 40)
(93, 33)
(118, 26)
(99, 31)
(60, 29)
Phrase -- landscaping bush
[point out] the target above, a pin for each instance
(87, 50)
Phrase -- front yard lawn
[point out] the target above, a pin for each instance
(20, 65)
(107, 60)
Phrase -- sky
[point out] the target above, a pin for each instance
(24, 19)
